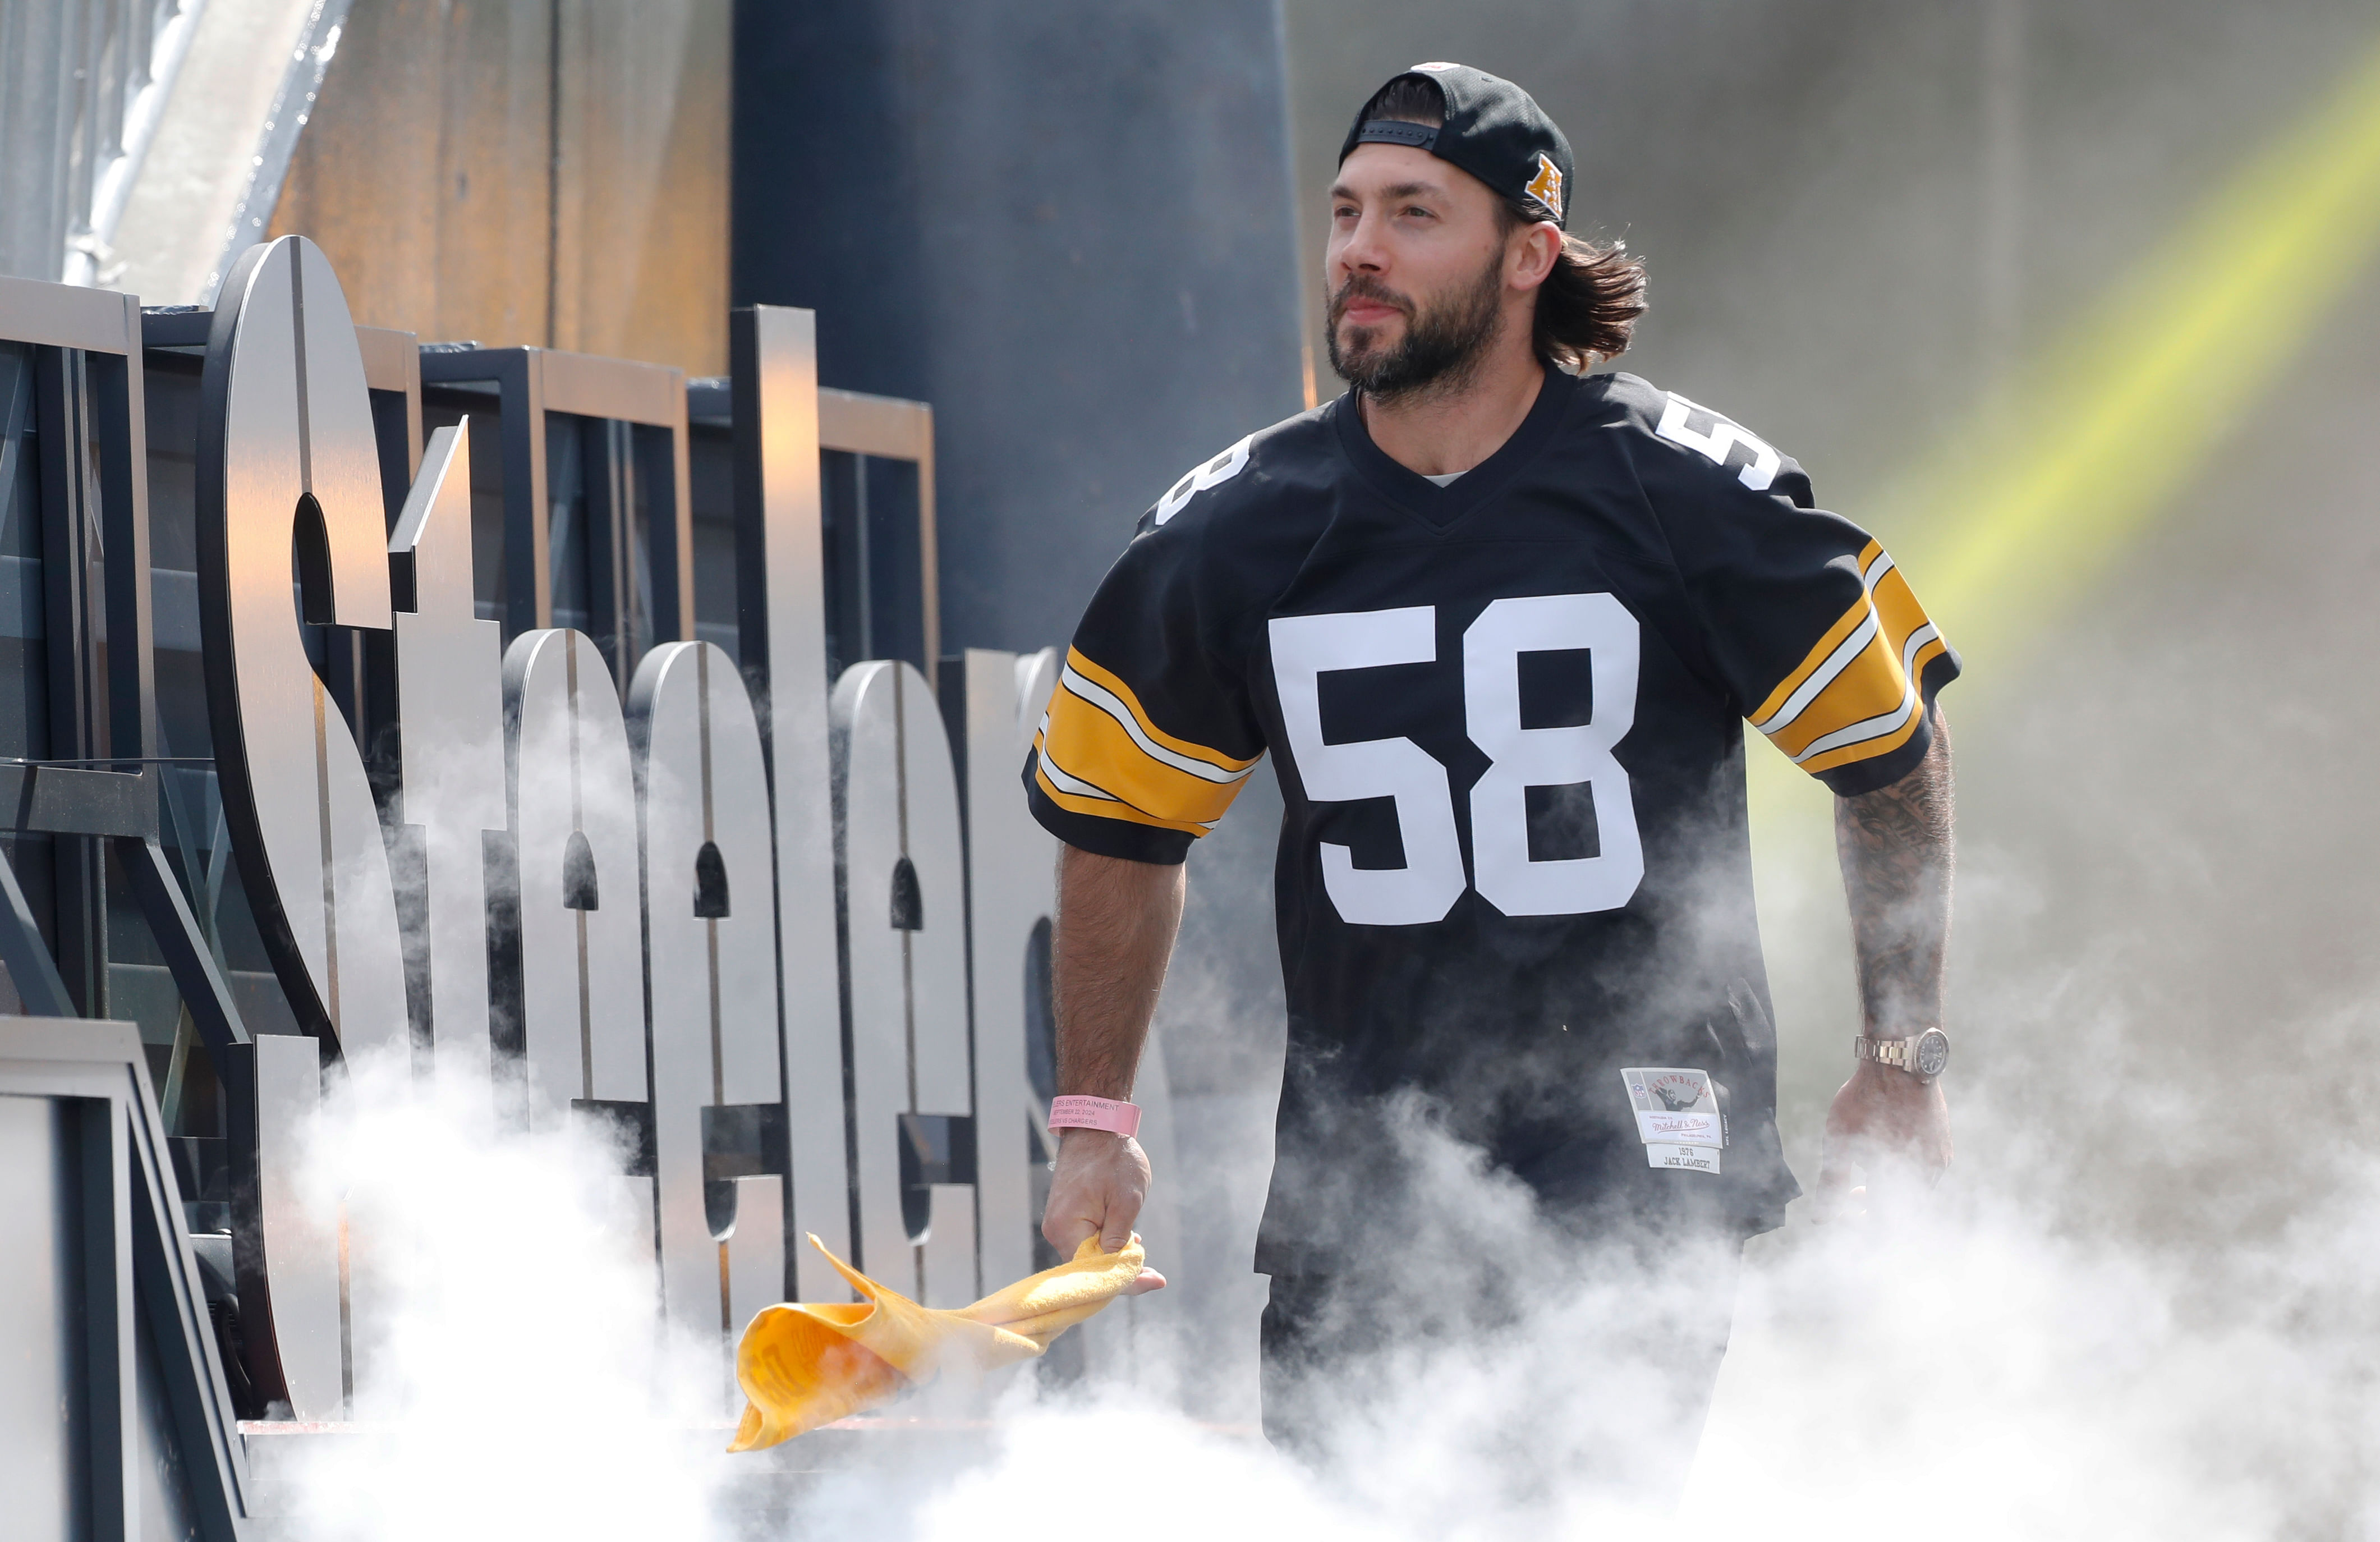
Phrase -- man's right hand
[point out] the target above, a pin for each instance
(1115, 926)
(1100, 1183)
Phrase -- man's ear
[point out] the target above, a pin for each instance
(1536, 248)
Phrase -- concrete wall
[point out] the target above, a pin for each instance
(552, 172)
(1065, 224)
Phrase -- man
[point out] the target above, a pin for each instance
(1499, 623)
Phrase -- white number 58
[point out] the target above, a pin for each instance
(1424, 888)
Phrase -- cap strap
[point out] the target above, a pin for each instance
(1380, 130)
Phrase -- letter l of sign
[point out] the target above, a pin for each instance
(781, 607)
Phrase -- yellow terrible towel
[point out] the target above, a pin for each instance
(802, 1365)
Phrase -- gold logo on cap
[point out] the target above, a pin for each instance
(1546, 185)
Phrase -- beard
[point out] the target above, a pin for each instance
(1442, 344)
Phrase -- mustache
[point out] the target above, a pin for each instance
(1365, 286)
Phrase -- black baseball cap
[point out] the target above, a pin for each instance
(1493, 130)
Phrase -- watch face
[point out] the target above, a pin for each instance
(1933, 1052)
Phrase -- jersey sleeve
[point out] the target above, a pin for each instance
(1816, 630)
(1150, 733)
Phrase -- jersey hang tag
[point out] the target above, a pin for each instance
(1677, 1116)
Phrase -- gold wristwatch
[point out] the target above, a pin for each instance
(1925, 1056)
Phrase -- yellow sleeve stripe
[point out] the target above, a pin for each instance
(1854, 696)
(1893, 732)
(1100, 750)
(1100, 755)
(1111, 696)
(1795, 690)
(1077, 796)
(1090, 756)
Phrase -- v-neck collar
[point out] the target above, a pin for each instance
(1438, 506)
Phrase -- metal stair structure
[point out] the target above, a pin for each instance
(143, 144)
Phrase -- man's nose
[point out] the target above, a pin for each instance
(1363, 252)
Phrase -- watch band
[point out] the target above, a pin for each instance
(1075, 1111)
(1908, 1054)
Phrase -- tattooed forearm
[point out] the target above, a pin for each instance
(1897, 854)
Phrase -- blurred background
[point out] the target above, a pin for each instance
(2073, 305)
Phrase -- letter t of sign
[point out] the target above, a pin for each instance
(450, 695)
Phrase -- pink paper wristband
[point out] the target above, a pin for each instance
(1074, 1112)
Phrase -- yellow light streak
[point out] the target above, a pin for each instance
(2092, 440)
(2012, 516)
(2007, 520)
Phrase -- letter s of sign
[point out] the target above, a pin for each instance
(287, 456)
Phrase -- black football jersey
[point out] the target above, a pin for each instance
(1507, 718)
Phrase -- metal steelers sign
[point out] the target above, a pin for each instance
(782, 933)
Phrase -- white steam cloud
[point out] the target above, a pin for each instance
(1998, 1364)
(518, 1383)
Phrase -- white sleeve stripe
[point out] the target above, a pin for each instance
(1877, 727)
(1917, 639)
(1859, 732)
(1075, 785)
(1839, 660)
(1820, 678)
(1105, 700)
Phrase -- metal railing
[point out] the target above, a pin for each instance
(81, 85)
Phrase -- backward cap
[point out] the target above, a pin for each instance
(1493, 130)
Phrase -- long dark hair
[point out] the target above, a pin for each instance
(1588, 306)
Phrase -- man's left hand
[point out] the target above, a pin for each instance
(1888, 1125)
